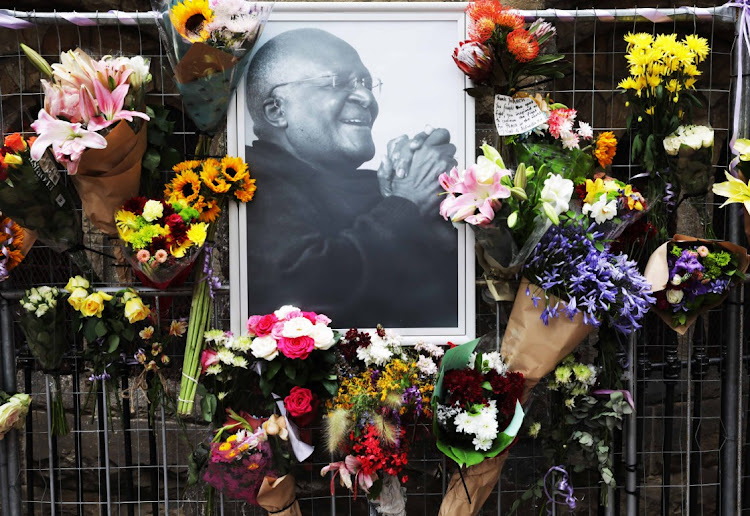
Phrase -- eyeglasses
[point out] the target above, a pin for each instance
(339, 83)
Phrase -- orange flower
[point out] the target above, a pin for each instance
(606, 147)
(247, 191)
(482, 30)
(522, 45)
(210, 212)
(509, 19)
(210, 177)
(234, 169)
(14, 255)
(186, 165)
(484, 9)
(15, 142)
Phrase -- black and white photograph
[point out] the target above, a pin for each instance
(347, 126)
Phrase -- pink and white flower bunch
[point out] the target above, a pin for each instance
(560, 127)
(478, 188)
(291, 332)
(83, 96)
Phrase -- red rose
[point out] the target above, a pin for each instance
(298, 347)
(261, 326)
(302, 405)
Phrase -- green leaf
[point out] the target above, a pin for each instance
(331, 387)
(196, 461)
(290, 371)
(89, 330)
(112, 342)
(208, 407)
(273, 368)
(170, 157)
(265, 386)
(100, 328)
(151, 159)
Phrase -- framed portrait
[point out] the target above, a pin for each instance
(347, 116)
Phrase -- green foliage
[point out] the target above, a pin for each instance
(160, 155)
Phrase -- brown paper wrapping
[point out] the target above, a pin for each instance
(278, 496)
(657, 273)
(108, 177)
(29, 237)
(202, 60)
(534, 349)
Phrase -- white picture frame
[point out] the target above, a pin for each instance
(409, 45)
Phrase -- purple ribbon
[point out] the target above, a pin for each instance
(625, 392)
(104, 376)
(11, 22)
(563, 488)
(213, 281)
(123, 17)
(76, 19)
(743, 44)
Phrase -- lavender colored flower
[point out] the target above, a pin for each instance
(604, 287)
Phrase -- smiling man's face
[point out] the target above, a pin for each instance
(329, 124)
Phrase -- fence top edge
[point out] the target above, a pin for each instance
(722, 13)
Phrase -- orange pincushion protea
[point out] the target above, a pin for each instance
(484, 9)
(509, 19)
(481, 30)
(522, 45)
(11, 243)
(606, 147)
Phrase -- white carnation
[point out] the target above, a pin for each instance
(426, 366)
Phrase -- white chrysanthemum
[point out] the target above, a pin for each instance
(376, 353)
(222, 395)
(213, 369)
(426, 366)
(225, 356)
(431, 349)
(239, 361)
(585, 131)
(482, 444)
(465, 422)
(243, 344)
(214, 336)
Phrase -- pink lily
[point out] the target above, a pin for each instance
(484, 196)
(75, 69)
(450, 180)
(350, 466)
(110, 106)
(61, 101)
(68, 141)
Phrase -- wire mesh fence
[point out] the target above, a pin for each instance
(120, 459)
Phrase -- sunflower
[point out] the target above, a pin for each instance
(247, 191)
(234, 169)
(210, 177)
(184, 188)
(187, 165)
(189, 18)
(210, 212)
(606, 147)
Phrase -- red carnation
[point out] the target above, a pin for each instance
(464, 386)
(135, 205)
(177, 228)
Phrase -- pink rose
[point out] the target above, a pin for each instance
(322, 319)
(278, 329)
(302, 405)
(310, 316)
(261, 326)
(208, 357)
(293, 314)
(298, 347)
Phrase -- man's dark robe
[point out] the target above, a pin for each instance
(329, 242)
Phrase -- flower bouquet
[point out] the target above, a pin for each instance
(105, 321)
(690, 153)
(160, 240)
(32, 194)
(90, 119)
(508, 212)
(383, 389)
(209, 44)
(15, 242)
(43, 321)
(691, 276)
(206, 186)
(13, 410)
(611, 203)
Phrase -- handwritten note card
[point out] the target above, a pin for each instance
(516, 116)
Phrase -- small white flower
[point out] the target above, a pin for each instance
(225, 355)
(213, 369)
(674, 296)
(426, 366)
(482, 444)
(221, 395)
(585, 131)
(676, 280)
(243, 344)
(569, 140)
(41, 310)
(239, 361)
(432, 349)
(601, 210)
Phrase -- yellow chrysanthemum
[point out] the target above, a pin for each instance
(639, 39)
(127, 224)
(673, 86)
(653, 80)
(210, 177)
(606, 147)
(197, 233)
(233, 169)
(179, 250)
(628, 83)
(189, 18)
(247, 191)
(697, 45)
(690, 82)
(691, 70)
(650, 110)
(184, 188)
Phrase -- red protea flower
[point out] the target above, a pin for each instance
(482, 29)
(522, 45)
(474, 59)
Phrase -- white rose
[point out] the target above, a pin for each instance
(557, 192)
(323, 336)
(676, 280)
(285, 310)
(264, 347)
(297, 327)
(41, 310)
(674, 296)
